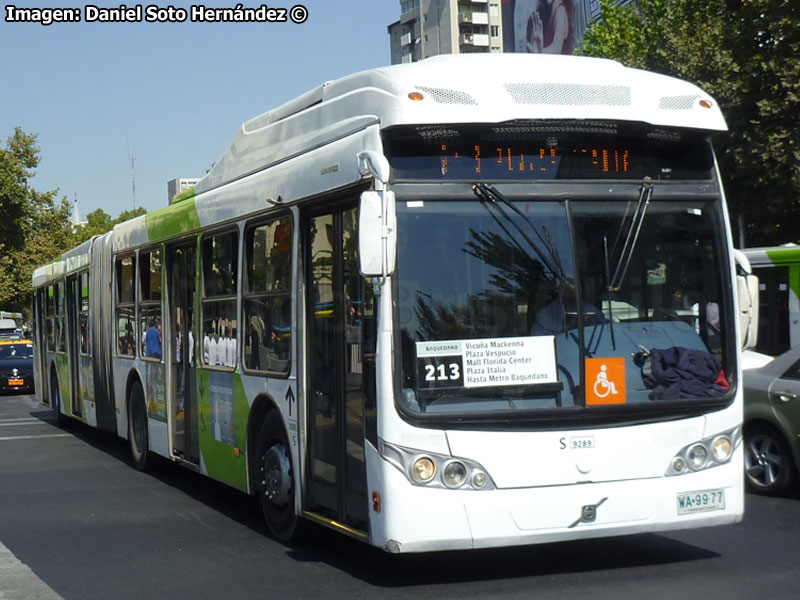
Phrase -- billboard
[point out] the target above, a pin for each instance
(547, 26)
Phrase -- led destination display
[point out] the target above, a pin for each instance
(539, 152)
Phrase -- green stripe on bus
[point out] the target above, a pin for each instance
(172, 220)
(782, 256)
(224, 452)
(62, 370)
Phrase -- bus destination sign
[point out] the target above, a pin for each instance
(486, 362)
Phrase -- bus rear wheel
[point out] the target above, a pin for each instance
(275, 484)
(137, 429)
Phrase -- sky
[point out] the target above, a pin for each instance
(170, 95)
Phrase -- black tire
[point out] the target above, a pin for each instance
(275, 486)
(59, 420)
(768, 465)
(141, 458)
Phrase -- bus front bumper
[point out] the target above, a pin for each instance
(419, 519)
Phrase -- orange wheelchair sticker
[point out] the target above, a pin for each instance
(605, 381)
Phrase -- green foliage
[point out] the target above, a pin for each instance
(99, 222)
(17, 161)
(35, 228)
(745, 53)
(631, 35)
(127, 215)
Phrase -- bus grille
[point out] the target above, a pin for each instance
(445, 96)
(677, 102)
(570, 94)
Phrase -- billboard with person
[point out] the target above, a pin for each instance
(547, 26)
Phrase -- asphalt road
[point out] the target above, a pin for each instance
(77, 522)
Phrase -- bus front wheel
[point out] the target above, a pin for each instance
(275, 484)
(137, 429)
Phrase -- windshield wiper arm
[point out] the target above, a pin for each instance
(553, 263)
(645, 193)
(610, 301)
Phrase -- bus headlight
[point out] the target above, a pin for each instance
(424, 469)
(705, 454)
(454, 474)
(479, 480)
(429, 469)
(721, 448)
(697, 455)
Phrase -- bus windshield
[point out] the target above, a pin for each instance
(505, 305)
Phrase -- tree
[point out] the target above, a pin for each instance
(99, 222)
(34, 227)
(745, 54)
(17, 162)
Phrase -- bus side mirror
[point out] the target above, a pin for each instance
(377, 236)
(747, 290)
(747, 299)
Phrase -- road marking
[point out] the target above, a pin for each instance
(18, 423)
(34, 437)
(18, 582)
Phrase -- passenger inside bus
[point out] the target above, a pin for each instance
(560, 313)
(153, 340)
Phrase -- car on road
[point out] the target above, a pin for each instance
(772, 424)
(16, 365)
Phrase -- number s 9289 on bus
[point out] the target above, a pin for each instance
(470, 302)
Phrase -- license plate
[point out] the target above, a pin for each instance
(703, 501)
(14, 382)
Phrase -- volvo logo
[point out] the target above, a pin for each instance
(588, 513)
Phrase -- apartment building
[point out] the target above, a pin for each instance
(431, 27)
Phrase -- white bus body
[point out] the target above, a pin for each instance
(423, 404)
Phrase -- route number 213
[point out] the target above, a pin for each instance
(442, 372)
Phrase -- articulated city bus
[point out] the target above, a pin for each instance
(469, 302)
(778, 271)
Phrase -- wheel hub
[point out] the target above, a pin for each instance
(764, 461)
(277, 475)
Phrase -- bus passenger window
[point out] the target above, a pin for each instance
(150, 304)
(267, 297)
(84, 313)
(220, 272)
(51, 321)
(61, 339)
(126, 305)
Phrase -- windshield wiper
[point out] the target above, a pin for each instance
(553, 263)
(624, 261)
(610, 301)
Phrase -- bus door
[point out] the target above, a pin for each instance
(182, 261)
(336, 398)
(73, 316)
